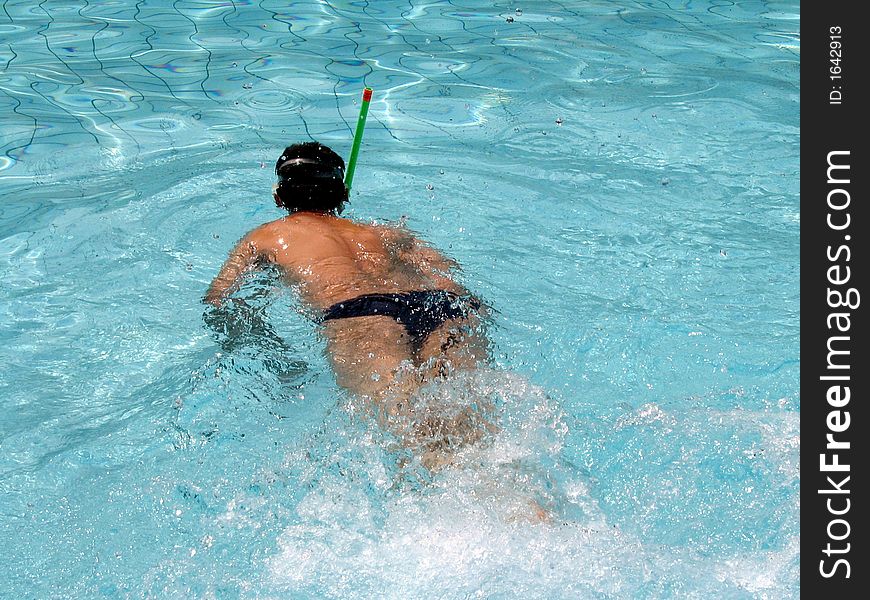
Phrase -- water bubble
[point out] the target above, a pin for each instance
(235, 64)
(430, 187)
(441, 171)
(722, 252)
(197, 116)
(665, 181)
(510, 19)
(247, 86)
(519, 11)
(559, 121)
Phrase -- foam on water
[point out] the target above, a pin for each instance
(465, 530)
(472, 531)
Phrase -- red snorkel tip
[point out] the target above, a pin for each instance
(367, 94)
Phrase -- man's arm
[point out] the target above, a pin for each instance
(238, 323)
(245, 257)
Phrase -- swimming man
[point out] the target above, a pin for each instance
(391, 313)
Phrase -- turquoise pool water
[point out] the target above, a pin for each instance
(618, 180)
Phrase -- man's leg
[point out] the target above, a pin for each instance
(373, 358)
(457, 345)
(369, 355)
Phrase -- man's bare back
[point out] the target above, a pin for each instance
(331, 260)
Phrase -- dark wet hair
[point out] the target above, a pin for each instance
(310, 178)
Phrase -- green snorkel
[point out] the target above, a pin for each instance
(357, 138)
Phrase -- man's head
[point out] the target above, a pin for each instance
(310, 178)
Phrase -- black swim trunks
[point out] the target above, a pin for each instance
(421, 312)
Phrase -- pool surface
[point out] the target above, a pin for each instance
(619, 181)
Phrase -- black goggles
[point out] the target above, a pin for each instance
(304, 171)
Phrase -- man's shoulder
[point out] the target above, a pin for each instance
(284, 229)
(263, 235)
(300, 226)
(271, 228)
